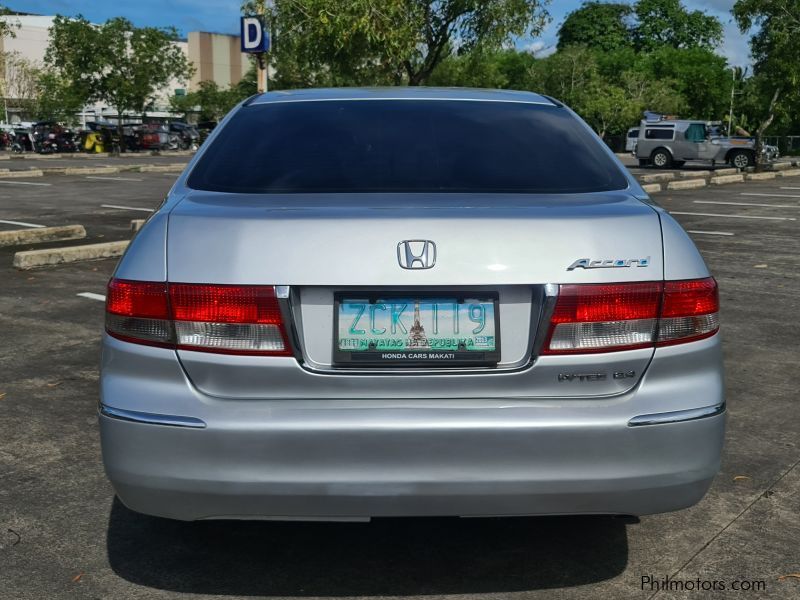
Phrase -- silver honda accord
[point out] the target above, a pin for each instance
(360, 303)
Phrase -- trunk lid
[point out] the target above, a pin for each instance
(341, 240)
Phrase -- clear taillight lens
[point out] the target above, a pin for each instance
(627, 316)
(229, 319)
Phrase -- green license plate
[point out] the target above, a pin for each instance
(416, 330)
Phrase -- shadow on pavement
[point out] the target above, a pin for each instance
(384, 557)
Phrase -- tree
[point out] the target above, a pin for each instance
(669, 23)
(7, 28)
(116, 62)
(597, 25)
(352, 42)
(507, 68)
(775, 48)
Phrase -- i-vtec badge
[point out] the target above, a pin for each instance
(608, 263)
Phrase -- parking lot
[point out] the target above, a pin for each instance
(62, 534)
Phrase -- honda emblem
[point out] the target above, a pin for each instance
(416, 254)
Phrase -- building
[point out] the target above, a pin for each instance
(216, 57)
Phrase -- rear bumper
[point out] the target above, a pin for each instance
(338, 458)
(395, 466)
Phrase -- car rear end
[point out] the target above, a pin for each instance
(409, 303)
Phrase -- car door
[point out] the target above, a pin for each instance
(696, 144)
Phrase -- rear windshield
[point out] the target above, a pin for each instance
(405, 146)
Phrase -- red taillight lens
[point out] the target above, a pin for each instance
(690, 311)
(232, 319)
(210, 318)
(605, 318)
(137, 299)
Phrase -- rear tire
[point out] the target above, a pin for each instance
(740, 159)
(661, 159)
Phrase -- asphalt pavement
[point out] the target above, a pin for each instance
(63, 535)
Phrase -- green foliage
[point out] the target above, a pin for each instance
(210, 102)
(374, 42)
(775, 46)
(645, 26)
(605, 26)
(7, 29)
(669, 23)
(115, 62)
(501, 69)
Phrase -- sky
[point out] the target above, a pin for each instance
(222, 16)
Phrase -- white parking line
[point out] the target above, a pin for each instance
(711, 232)
(734, 216)
(783, 187)
(20, 223)
(126, 207)
(747, 204)
(770, 195)
(115, 178)
(23, 183)
(92, 296)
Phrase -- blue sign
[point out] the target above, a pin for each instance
(254, 36)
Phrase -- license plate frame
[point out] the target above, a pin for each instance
(412, 358)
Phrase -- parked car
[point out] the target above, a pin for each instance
(410, 301)
(630, 139)
(154, 137)
(665, 143)
(187, 137)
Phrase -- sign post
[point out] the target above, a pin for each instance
(255, 39)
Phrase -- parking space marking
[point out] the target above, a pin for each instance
(126, 207)
(710, 232)
(770, 195)
(734, 216)
(92, 296)
(20, 223)
(785, 187)
(115, 178)
(24, 183)
(747, 204)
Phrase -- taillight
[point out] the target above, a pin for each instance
(690, 311)
(228, 319)
(605, 318)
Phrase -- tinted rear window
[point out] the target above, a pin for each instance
(658, 134)
(405, 146)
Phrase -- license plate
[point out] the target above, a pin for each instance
(433, 330)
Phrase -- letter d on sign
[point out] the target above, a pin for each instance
(253, 36)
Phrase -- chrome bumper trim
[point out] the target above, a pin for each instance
(150, 418)
(677, 416)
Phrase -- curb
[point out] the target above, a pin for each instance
(53, 256)
(28, 173)
(41, 234)
(651, 188)
(695, 174)
(760, 176)
(723, 179)
(90, 170)
(687, 184)
(790, 173)
(176, 168)
(657, 177)
(723, 172)
(136, 224)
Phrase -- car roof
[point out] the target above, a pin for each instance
(402, 93)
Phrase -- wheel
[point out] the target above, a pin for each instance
(678, 163)
(740, 159)
(661, 159)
